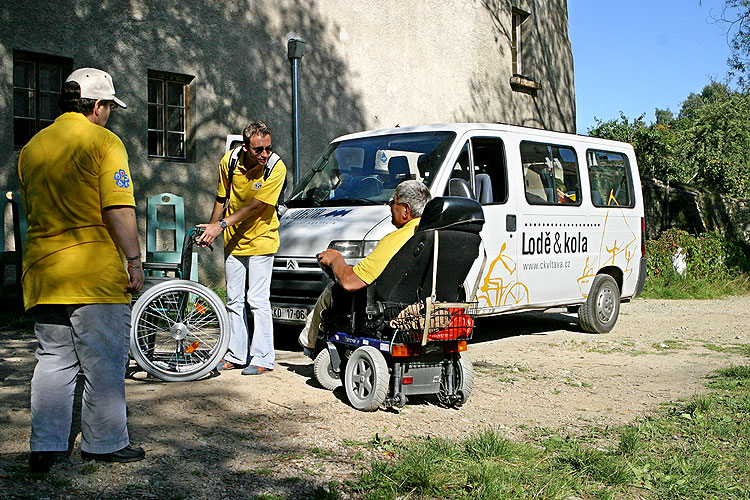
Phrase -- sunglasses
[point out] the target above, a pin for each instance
(260, 149)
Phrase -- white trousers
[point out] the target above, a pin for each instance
(249, 282)
(93, 338)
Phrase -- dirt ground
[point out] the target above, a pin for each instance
(280, 436)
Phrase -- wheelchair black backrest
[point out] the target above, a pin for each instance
(408, 276)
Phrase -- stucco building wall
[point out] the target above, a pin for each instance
(367, 64)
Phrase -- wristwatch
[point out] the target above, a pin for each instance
(223, 224)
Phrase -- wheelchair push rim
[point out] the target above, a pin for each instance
(179, 330)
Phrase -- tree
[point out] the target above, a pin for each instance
(736, 17)
(712, 140)
(707, 145)
(651, 144)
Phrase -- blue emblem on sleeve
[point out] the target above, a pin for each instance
(122, 179)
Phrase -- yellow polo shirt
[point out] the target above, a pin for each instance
(69, 172)
(369, 268)
(259, 236)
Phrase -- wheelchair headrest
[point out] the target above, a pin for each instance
(461, 214)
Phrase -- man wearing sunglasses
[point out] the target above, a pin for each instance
(245, 213)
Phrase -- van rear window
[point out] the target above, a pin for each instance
(610, 179)
(550, 174)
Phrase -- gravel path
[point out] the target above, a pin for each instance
(233, 436)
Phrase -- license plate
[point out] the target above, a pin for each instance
(293, 314)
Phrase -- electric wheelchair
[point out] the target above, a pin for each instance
(406, 334)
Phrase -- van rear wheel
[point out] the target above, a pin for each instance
(599, 313)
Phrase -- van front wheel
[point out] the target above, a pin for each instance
(599, 313)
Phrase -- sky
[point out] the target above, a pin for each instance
(638, 55)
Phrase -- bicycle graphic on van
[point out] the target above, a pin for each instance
(611, 251)
(497, 291)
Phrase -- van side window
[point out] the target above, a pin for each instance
(609, 175)
(490, 177)
(550, 174)
(480, 172)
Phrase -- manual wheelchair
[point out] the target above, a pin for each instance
(406, 334)
(179, 328)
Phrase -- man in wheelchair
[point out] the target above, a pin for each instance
(407, 205)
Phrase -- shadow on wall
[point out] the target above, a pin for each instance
(547, 58)
(235, 49)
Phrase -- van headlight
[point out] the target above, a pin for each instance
(354, 249)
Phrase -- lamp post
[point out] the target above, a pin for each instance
(295, 50)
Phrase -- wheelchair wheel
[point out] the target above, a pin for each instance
(179, 330)
(366, 378)
(323, 373)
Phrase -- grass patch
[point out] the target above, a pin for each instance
(693, 449)
(743, 349)
(669, 345)
(676, 287)
(319, 452)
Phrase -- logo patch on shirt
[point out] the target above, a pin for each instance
(122, 179)
(257, 185)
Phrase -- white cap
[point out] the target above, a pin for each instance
(95, 84)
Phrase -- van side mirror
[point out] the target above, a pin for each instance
(459, 187)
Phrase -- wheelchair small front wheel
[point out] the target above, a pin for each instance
(179, 330)
(323, 371)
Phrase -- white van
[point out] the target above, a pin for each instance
(564, 215)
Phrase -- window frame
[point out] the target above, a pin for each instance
(163, 108)
(472, 168)
(65, 66)
(518, 19)
(579, 198)
(628, 176)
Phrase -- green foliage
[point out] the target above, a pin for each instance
(736, 17)
(707, 145)
(651, 144)
(715, 266)
(709, 256)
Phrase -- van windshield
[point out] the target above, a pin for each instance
(366, 171)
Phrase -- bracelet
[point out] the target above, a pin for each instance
(134, 257)
(134, 266)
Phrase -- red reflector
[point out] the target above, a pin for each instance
(404, 350)
(407, 380)
(458, 346)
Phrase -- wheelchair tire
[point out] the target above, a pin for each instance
(179, 330)
(366, 379)
(324, 375)
(463, 382)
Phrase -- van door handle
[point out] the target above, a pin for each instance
(510, 222)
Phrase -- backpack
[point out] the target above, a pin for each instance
(272, 161)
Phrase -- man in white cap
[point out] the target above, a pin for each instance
(78, 196)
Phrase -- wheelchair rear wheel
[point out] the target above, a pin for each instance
(366, 378)
(179, 330)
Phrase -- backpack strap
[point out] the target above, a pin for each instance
(232, 166)
(272, 161)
